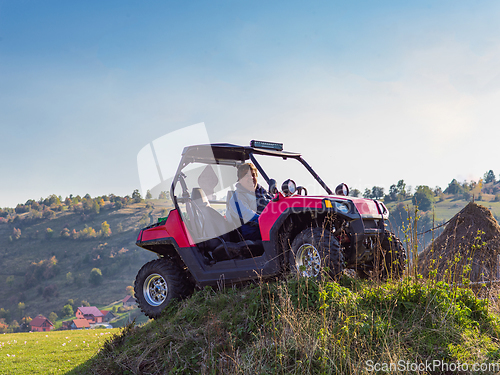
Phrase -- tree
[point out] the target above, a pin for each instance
(21, 306)
(377, 192)
(10, 281)
(354, 193)
(20, 208)
(53, 317)
(49, 233)
(148, 195)
(48, 213)
(95, 276)
(96, 208)
(367, 194)
(489, 177)
(136, 196)
(393, 194)
(401, 189)
(65, 233)
(164, 195)
(105, 229)
(454, 188)
(130, 290)
(423, 197)
(5, 314)
(68, 310)
(14, 326)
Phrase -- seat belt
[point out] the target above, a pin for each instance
(238, 208)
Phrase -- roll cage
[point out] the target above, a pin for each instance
(231, 154)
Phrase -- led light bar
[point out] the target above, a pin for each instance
(267, 145)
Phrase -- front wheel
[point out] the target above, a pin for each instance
(393, 257)
(389, 259)
(156, 284)
(315, 250)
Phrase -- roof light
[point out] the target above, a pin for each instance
(342, 189)
(267, 145)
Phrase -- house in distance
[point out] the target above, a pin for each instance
(41, 324)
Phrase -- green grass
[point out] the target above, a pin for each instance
(54, 352)
(302, 327)
(284, 327)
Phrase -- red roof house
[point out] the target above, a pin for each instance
(91, 313)
(41, 324)
(79, 324)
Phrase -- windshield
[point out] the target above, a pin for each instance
(281, 169)
(205, 185)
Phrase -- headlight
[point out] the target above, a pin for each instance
(289, 187)
(342, 207)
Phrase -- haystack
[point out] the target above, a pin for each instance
(471, 238)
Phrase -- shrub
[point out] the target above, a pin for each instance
(95, 276)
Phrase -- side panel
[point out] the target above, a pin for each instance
(275, 209)
(173, 227)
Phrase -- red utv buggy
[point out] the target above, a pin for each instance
(312, 235)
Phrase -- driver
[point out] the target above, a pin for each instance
(248, 201)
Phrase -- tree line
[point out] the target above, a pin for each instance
(425, 197)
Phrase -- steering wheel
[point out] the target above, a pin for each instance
(196, 216)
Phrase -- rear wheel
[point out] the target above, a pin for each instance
(315, 250)
(157, 283)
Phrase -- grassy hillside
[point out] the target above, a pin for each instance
(45, 271)
(302, 327)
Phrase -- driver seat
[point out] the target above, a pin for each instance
(213, 223)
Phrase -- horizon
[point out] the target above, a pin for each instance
(369, 93)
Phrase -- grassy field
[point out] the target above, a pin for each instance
(54, 352)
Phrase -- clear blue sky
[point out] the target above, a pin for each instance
(370, 92)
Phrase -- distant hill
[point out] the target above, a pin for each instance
(47, 254)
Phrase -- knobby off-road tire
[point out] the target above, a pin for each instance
(392, 259)
(157, 283)
(314, 251)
